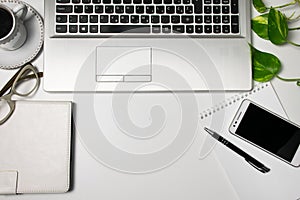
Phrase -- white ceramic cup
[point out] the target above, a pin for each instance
(15, 33)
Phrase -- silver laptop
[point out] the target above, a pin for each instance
(147, 45)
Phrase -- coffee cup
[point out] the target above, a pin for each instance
(13, 33)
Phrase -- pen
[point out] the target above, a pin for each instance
(252, 161)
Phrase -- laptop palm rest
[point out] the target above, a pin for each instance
(123, 64)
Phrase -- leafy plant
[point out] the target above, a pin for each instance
(272, 25)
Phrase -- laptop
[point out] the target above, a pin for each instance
(147, 45)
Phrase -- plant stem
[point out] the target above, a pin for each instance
(292, 43)
(288, 79)
(293, 29)
(285, 5)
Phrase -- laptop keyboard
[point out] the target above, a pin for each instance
(104, 18)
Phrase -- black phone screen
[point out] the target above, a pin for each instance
(269, 132)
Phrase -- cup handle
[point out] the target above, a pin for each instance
(20, 11)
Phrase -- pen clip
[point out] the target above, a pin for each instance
(260, 168)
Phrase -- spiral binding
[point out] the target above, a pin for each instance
(232, 100)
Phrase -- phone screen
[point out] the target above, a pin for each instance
(270, 132)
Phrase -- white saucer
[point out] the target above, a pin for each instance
(32, 46)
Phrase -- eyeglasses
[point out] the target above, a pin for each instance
(23, 83)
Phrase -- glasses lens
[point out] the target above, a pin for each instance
(27, 83)
(4, 109)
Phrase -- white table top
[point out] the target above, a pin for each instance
(84, 186)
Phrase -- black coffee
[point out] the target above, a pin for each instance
(6, 22)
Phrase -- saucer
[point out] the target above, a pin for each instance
(33, 44)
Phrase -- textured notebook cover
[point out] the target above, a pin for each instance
(35, 148)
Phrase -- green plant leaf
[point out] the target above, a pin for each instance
(260, 26)
(277, 27)
(259, 6)
(265, 65)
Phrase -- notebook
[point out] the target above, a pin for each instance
(281, 182)
(35, 148)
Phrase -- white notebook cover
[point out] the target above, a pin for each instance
(35, 148)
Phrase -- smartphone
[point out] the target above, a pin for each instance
(267, 131)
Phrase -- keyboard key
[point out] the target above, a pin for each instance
(187, 19)
(179, 9)
(207, 9)
(177, 1)
(199, 29)
(188, 9)
(117, 1)
(207, 1)
(225, 19)
(75, 1)
(166, 29)
(104, 19)
(167, 1)
(125, 28)
(217, 9)
(226, 29)
(149, 9)
(73, 28)
(129, 9)
(190, 29)
(157, 1)
(96, 1)
(119, 9)
(178, 29)
(175, 19)
(114, 19)
(207, 19)
(160, 9)
(78, 9)
(165, 19)
(197, 6)
(234, 6)
(94, 18)
(147, 1)
(61, 28)
(73, 18)
(83, 28)
(64, 9)
(109, 9)
(155, 29)
(137, 1)
(217, 19)
(170, 9)
(208, 29)
(94, 29)
(235, 24)
(61, 18)
(98, 9)
(217, 29)
(127, 1)
(62, 1)
(225, 9)
(107, 1)
(88, 9)
(198, 19)
(155, 19)
(145, 19)
(225, 1)
(139, 9)
(86, 1)
(83, 19)
(135, 19)
(124, 19)
(217, 1)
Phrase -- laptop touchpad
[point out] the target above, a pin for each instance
(123, 64)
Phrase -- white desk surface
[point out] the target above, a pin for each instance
(288, 93)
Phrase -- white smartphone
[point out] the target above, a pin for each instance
(267, 131)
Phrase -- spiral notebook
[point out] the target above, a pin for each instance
(248, 182)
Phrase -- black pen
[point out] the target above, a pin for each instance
(252, 161)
